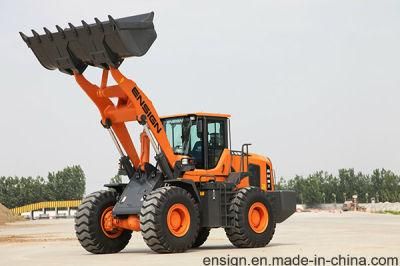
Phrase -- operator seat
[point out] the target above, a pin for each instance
(197, 154)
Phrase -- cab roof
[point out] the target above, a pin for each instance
(197, 114)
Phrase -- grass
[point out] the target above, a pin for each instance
(393, 212)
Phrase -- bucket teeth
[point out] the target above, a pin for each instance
(61, 31)
(86, 26)
(102, 44)
(98, 22)
(113, 22)
(48, 33)
(73, 28)
(25, 38)
(36, 35)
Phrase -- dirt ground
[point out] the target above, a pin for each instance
(53, 242)
(6, 216)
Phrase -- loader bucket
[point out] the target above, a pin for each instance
(101, 44)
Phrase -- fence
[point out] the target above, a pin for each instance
(46, 205)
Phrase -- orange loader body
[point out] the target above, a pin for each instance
(197, 181)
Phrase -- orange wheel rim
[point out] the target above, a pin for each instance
(258, 217)
(106, 223)
(178, 220)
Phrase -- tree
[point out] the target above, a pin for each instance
(66, 184)
(390, 186)
(313, 189)
(322, 186)
(298, 184)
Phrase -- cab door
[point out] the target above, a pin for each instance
(216, 140)
(209, 149)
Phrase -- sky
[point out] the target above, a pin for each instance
(314, 85)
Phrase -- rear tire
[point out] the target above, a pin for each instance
(88, 226)
(245, 233)
(204, 232)
(160, 231)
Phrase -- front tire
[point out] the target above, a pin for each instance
(89, 225)
(252, 219)
(169, 220)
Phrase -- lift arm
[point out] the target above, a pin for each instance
(132, 105)
(105, 45)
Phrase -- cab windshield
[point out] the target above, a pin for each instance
(182, 134)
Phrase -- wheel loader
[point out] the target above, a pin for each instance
(196, 181)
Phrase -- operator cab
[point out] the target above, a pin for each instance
(201, 136)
